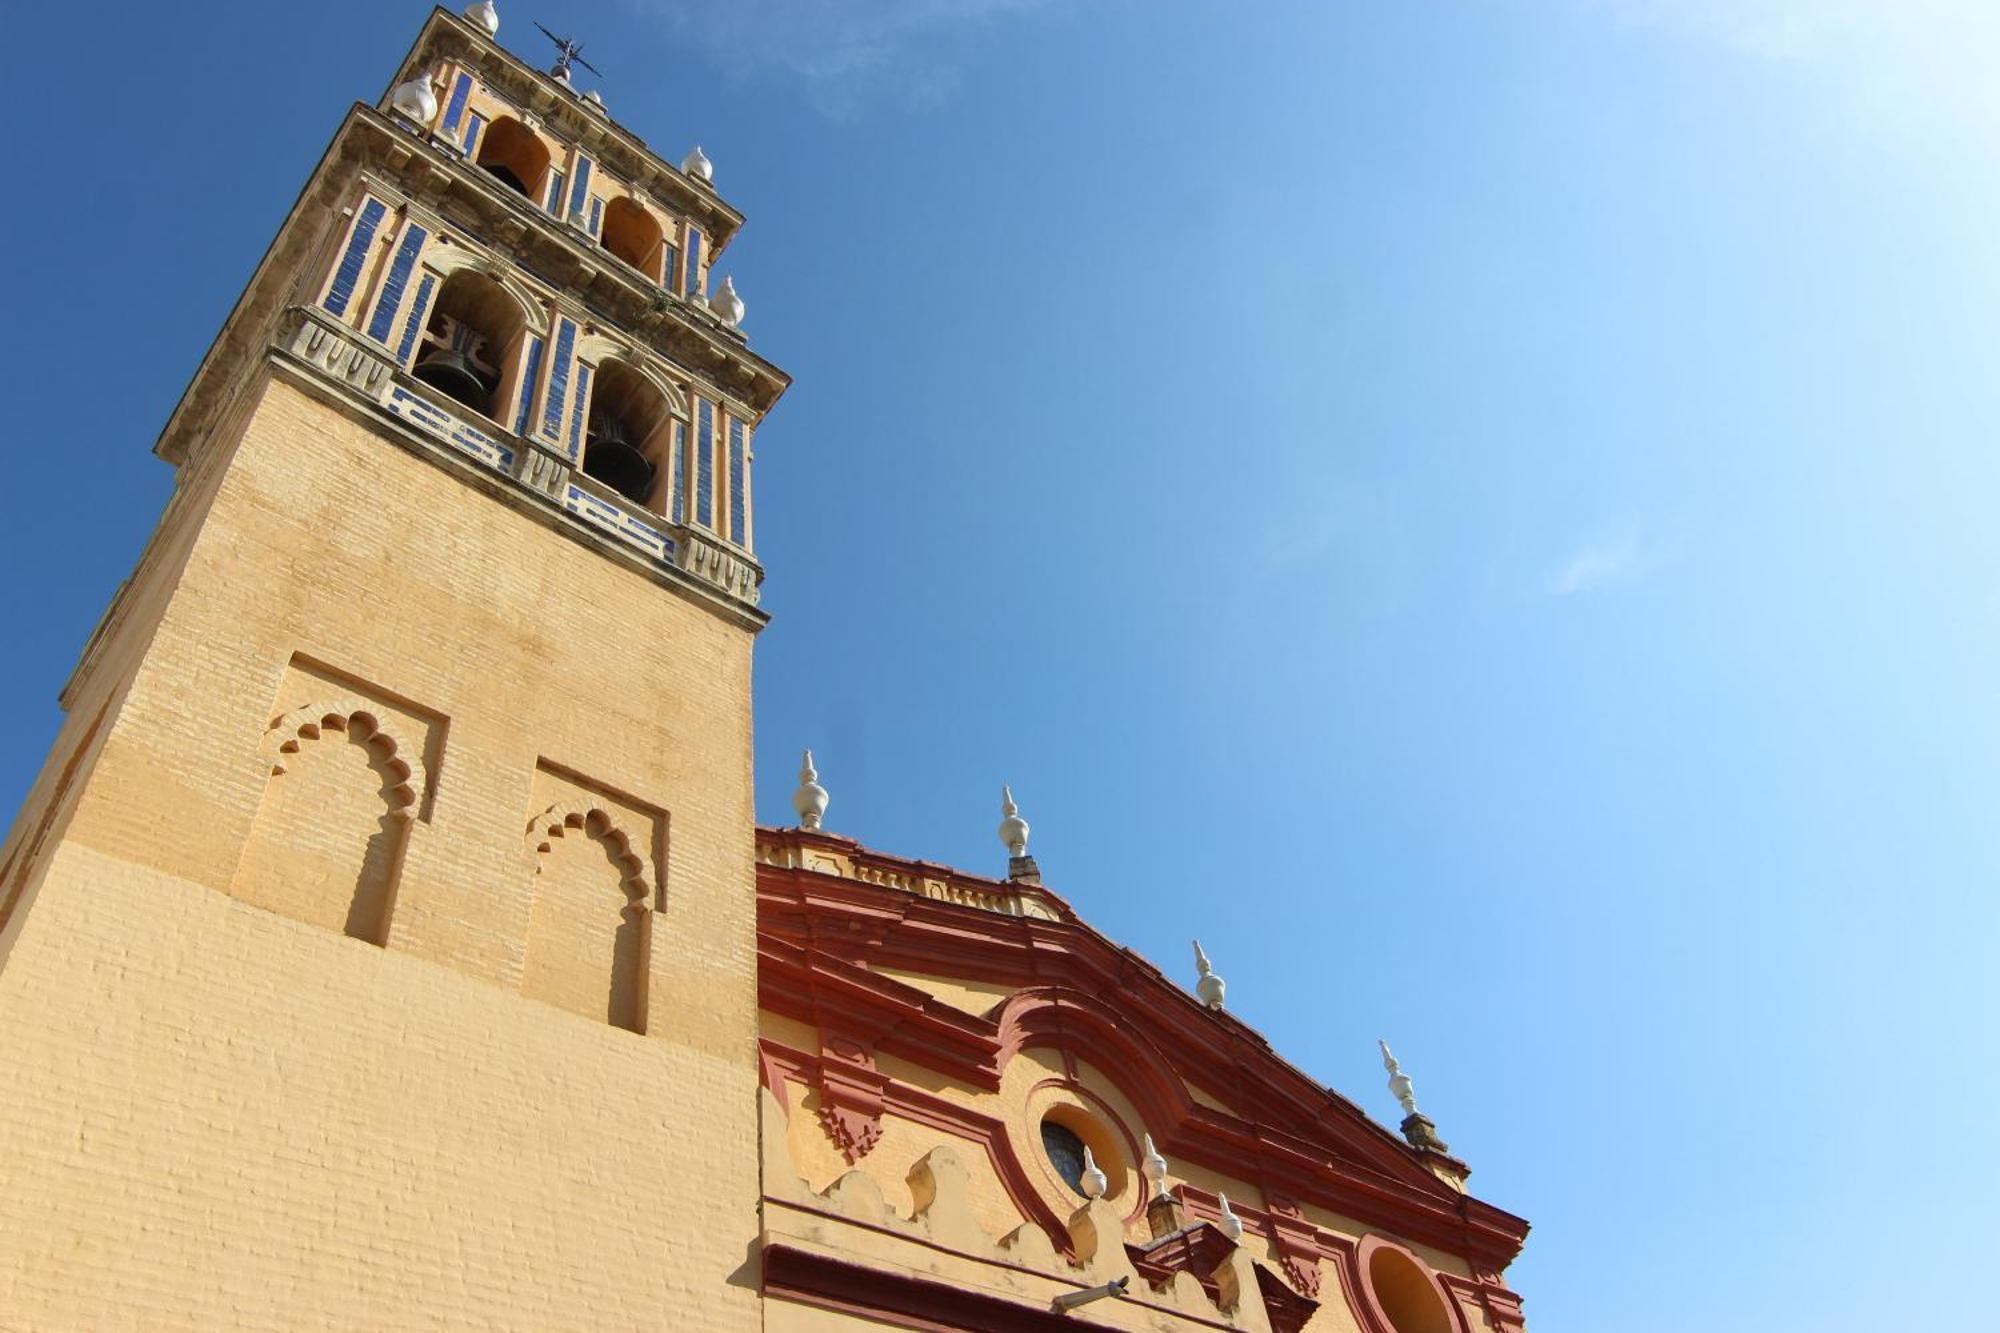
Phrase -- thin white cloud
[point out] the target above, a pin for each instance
(1902, 60)
(1598, 564)
(841, 51)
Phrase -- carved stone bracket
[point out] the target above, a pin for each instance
(1296, 1242)
(852, 1096)
(715, 563)
(541, 470)
(337, 352)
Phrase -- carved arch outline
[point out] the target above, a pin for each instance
(639, 879)
(597, 348)
(1084, 1025)
(445, 260)
(357, 719)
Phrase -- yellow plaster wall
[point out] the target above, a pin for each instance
(217, 1115)
(971, 997)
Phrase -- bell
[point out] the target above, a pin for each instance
(450, 372)
(607, 457)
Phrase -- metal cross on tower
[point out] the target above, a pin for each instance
(570, 53)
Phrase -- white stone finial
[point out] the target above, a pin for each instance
(1013, 828)
(1227, 1221)
(415, 101)
(1208, 987)
(1399, 1082)
(810, 800)
(484, 15)
(595, 101)
(1155, 1167)
(696, 164)
(1093, 1182)
(727, 305)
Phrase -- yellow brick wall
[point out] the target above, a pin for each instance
(215, 1114)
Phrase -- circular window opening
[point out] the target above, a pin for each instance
(1407, 1294)
(1065, 1150)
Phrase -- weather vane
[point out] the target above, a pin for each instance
(571, 53)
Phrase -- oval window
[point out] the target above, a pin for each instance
(1065, 1152)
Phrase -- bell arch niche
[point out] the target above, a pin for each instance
(591, 910)
(515, 156)
(631, 234)
(630, 429)
(471, 347)
(326, 845)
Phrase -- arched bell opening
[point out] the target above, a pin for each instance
(472, 338)
(511, 153)
(631, 234)
(625, 441)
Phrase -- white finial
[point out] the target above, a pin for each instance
(484, 15)
(1228, 1222)
(415, 101)
(1013, 828)
(727, 305)
(1399, 1082)
(595, 100)
(696, 163)
(1093, 1182)
(1155, 1167)
(1208, 987)
(810, 799)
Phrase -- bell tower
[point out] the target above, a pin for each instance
(378, 945)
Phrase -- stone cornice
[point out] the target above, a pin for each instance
(446, 36)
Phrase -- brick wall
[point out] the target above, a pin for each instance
(215, 1114)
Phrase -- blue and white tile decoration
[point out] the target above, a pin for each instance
(434, 420)
(349, 272)
(415, 323)
(391, 299)
(621, 524)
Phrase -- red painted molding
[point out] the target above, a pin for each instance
(820, 935)
(1369, 1306)
(835, 1284)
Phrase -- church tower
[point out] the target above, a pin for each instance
(378, 946)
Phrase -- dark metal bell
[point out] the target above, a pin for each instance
(607, 457)
(450, 372)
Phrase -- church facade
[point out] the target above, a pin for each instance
(389, 940)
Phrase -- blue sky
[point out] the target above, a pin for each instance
(1480, 511)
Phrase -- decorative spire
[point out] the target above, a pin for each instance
(696, 164)
(1154, 1166)
(1399, 1082)
(415, 101)
(727, 305)
(810, 799)
(1418, 1129)
(1227, 1222)
(1013, 828)
(1208, 987)
(1093, 1182)
(484, 15)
